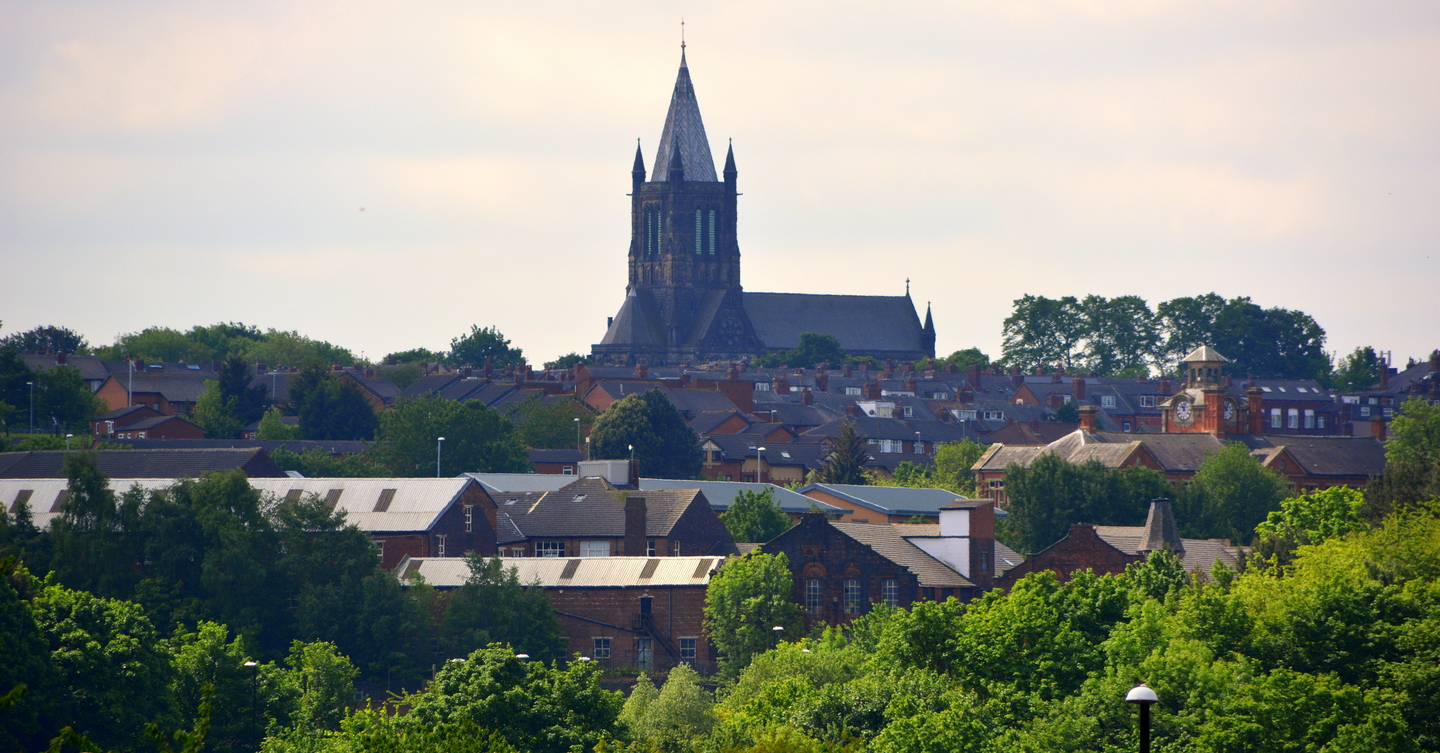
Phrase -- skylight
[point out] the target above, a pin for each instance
(579, 498)
(511, 501)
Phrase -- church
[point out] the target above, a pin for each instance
(684, 303)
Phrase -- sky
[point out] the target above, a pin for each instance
(384, 175)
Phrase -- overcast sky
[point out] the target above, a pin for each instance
(383, 175)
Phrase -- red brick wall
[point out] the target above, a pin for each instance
(1080, 550)
(817, 550)
(676, 612)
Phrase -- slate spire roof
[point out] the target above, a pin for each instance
(684, 132)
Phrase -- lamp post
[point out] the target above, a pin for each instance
(1144, 697)
(32, 406)
(254, 704)
(577, 435)
(917, 443)
(438, 440)
(759, 458)
(67, 441)
(776, 631)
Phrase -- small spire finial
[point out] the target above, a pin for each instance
(682, 34)
(907, 286)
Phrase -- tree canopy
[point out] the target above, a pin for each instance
(48, 338)
(755, 517)
(845, 463)
(1053, 493)
(480, 345)
(813, 349)
(665, 445)
(477, 439)
(746, 600)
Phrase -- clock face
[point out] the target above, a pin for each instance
(1182, 410)
(1229, 411)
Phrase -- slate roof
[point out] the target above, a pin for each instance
(890, 500)
(862, 323)
(573, 572)
(144, 463)
(150, 422)
(503, 483)
(1199, 556)
(888, 542)
(1334, 456)
(685, 132)
(707, 421)
(1179, 453)
(589, 507)
(1005, 559)
(1204, 353)
(121, 412)
(555, 456)
(332, 446)
(721, 494)
(177, 388)
(90, 367)
(903, 429)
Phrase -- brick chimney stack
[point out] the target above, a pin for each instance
(1377, 428)
(1058, 375)
(489, 368)
(1056, 400)
(1087, 417)
(1254, 398)
(781, 385)
(911, 385)
(1164, 386)
(1016, 378)
(59, 358)
(852, 410)
(822, 382)
(872, 390)
(642, 371)
(635, 539)
(807, 398)
(974, 376)
(846, 371)
(1077, 388)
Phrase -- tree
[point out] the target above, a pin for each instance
(1122, 335)
(1186, 324)
(569, 360)
(845, 463)
(415, 355)
(1067, 413)
(245, 700)
(1358, 371)
(319, 463)
(676, 716)
(215, 415)
(1043, 332)
(665, 445)
(954, 462)
(480, 345)
(1415, 434)
(477, 439)
(27, 665)
(273, 427)
(534, 706)
(237, 389)
(161, 344)
(50, 338)
(323, 681)
(1308, 519)
(14, 389)
(1274, 342)
(755, 517)
(964, 358)
(1053, 494)
(63, 402)
(745, 601)
(550, 424)
(495, 607)
(330, 406)
(814, 348)
(1229, 496)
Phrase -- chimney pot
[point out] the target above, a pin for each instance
(60, 358)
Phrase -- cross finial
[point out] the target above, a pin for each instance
(907, 286)
(682, 34)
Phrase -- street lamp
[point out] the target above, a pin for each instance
(776, 631)
(67, 441)
(32, 406)
(1144, 697)
(759, 457)
(917, 443)
(522, 656)
(577, 435)
(254, 704)
(438, 440)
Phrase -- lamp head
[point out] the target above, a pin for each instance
(251, 664)
(1141, 694)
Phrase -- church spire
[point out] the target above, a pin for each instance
(730, 163)
(637, 173)
(927, 335)
(685, 131)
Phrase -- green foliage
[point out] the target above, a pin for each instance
(480, 345)
(272, 427)
(49, 338)
(845, 463)
(1067, 413)
(569, 360)
(1229, 496)
(1358, 371)
(219, 342)
(415, 355)
(550, 424)
(745, 601)
(247, 400)
(755, 517)
(1415, 434)
(1053, 493)
(950, 471)
(495, 607)
(62, 401)
(1308, 519)
(14, 392)
(664, 444)
(318, 463)
(1121, 335)
(215, 415)
(331, 406)
(964, 358)
(534, 706)
(813, 349)
(477, 439)
(1043, 332)
(676, 716)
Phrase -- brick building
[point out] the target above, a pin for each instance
(640, 612)
(405, 517)
(881, 504)
(143, 464)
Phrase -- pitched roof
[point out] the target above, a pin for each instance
(1334, 456)
(177, 388)
(1204, 353)
(573, 572)
(721, 494)
(45, 495)
(862, 323)
(555, 456)
(891, 500)
(376, 504)
(638, 322)
(888, 542)
(590, 507)
(332, 446)
(144, 463)
(684, 132)
(1199, 555)
(515, 483)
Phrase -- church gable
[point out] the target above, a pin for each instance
(882, 326)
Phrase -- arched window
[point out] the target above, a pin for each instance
(712, 232)
(699, 236)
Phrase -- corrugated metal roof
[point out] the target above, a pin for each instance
(892, 500)
(574, 572)
(415, 506)
(500, 483)
(44, 493)
(721, 494)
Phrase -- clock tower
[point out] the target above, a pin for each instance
(1203, 405)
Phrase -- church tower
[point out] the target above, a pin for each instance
(683, 297)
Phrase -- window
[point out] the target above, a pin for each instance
(1319, 422)
(139, 435)
(1309, 419)
(1127, 426)
(469, 518)
(644, 653)
(892, 445)
(890, 592)
(919, 447)
(594, 549)
(549, 549)
(762, 386)
(1274, 418)
(674, 549)
(1107, 401)
(984, 562)
(852, 596)
(1147, 401)
(601, 652)
(966, 415)
(440, 545)
(994, 415)
(712, 232)
(1364, 410)
(518, 551)
(650, 548)
(380, 548)
(568, 470)
(814, 596)
(687, 650)
(852, 390)
(940, 396)
(1389, 412)
(1065, 399)
(909, 411)
(699, 236)
(1293, 417)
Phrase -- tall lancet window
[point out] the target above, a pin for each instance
(699, 234)
(652, 231)
(712, 232)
